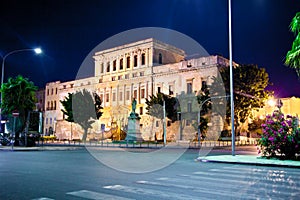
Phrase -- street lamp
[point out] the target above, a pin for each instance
(231, 82)
(36, 50)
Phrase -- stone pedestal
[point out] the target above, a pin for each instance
(133, 130)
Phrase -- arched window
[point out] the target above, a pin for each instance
(121, 64)
(135, 61)
(114, 65)
(128, 62)
(159, 58)
(108, 67)
(143, 58)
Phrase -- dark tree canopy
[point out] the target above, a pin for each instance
(155, 106)
(67, 107)
(82, 108)
(250, 83)
(293, 56)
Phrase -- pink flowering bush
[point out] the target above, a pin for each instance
(280, 136)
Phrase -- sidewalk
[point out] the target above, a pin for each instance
(40, 148)
(247, 158)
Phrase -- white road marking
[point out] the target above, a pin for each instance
(145, 191)
(96, 195)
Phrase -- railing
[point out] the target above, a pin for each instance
(139, 144)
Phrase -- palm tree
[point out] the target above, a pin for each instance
(18, 94)
(293, 55)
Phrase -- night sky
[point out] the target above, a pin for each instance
(67, 30)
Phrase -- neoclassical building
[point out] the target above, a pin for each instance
(136, 70)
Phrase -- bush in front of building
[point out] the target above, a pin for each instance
(280, 136)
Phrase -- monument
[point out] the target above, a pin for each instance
(133, 130)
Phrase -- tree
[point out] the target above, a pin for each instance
(82, 109)
(249, 87)
(67, 109)
(155, 106)
(204, 101)
(292, 58)
(18, 94)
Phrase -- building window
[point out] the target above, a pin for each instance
(157, 123)
(143, 58)
(171, 89)
(54, 105)
(114, 65)
(169, 123)
(127, 95)
(135, 94)
(128, 62)
(108, 67)
(135, 61)
(126, 76)
(189, 88)
(160, 58)
(114, 96)
(121, 96)
(107, 97)
(100, 80)
(102, 67)
(134, 74)
(142, 93)
(52, 91)
(71, 85)
(55, 90)
(48, 92)
(120, 77)
(141, 110)
(121, 64)
(50, 120)
(46, 120)
(113, 78)
(158, 90)
(141, 73)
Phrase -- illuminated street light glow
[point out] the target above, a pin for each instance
(38, 50)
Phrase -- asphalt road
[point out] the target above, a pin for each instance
(76, 174)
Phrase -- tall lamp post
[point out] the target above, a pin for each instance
(36, 50)
(231, 82)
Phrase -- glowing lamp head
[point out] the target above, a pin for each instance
(38, 50)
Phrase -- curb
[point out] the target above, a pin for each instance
(247, 163)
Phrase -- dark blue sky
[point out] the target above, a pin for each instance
(68, 30)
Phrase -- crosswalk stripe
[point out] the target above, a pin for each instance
(274, 173)
(202, 190)
(286, 170)
(144, 191)
(230, 183)
(96, 195)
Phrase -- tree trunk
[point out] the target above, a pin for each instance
(84, 136)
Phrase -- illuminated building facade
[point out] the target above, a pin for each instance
(136, 70)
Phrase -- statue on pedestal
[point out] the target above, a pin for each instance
(133, 129)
